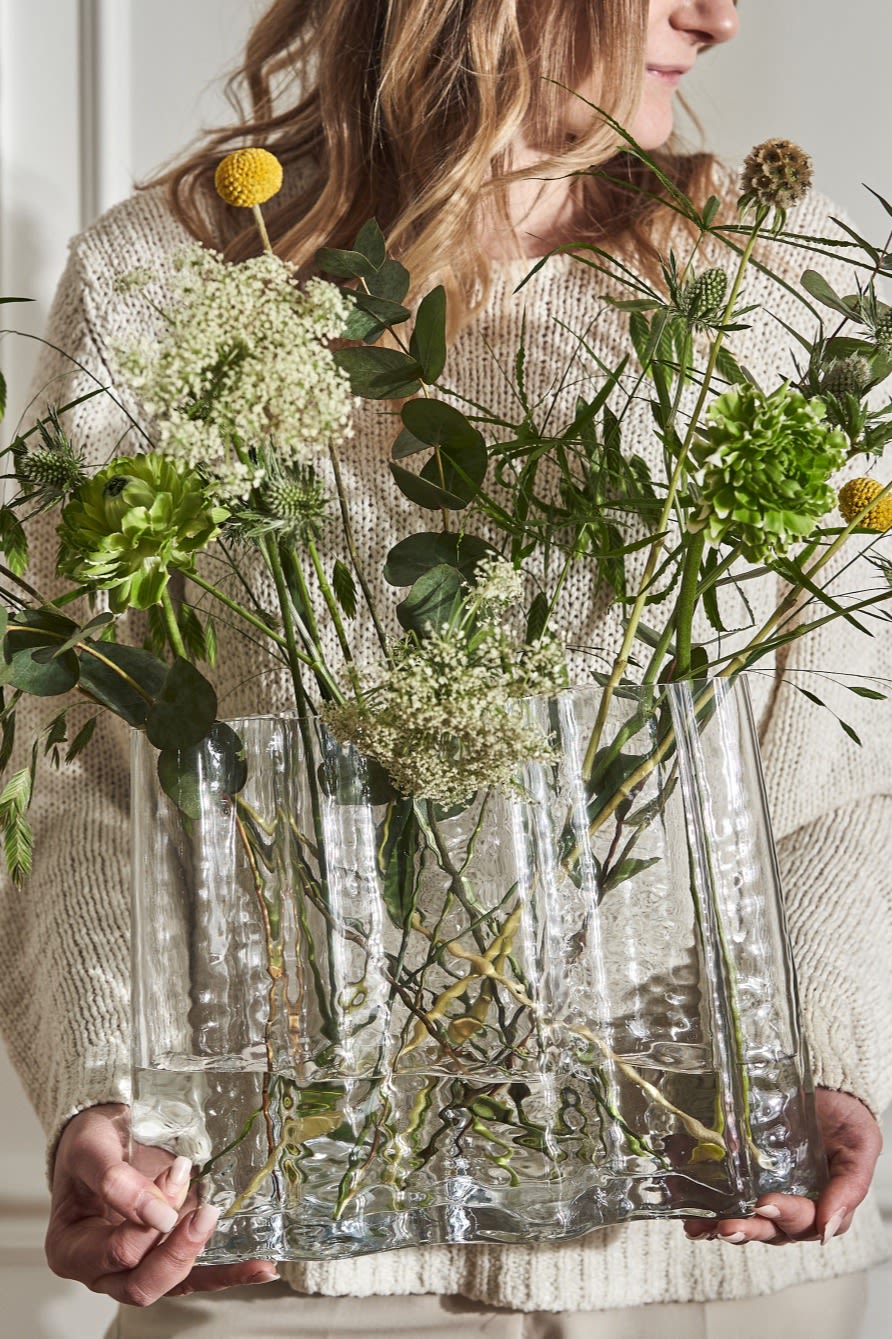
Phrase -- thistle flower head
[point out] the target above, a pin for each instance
(702, 298)
(291, 503)
(883, 332)
(248, 177)
(776, 175)
(763, 468)
(847, 376)
(857, 494)
(51, 470)
(127, 527)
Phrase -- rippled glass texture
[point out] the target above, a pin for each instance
(372, 1023)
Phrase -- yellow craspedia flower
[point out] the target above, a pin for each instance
(858, 494)
(248, 177)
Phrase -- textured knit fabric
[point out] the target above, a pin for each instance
(828, 1310)
(64, 964)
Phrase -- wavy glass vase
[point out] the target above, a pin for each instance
(372, 1023)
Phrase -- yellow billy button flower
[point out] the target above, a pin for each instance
(248, 177)
(858, 494)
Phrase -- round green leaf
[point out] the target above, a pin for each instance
(123, 678)
(412, 557)
(38, 632)
(432, 600)
(184, 710)
(205, 776)
(439, 424)
(424, 492)
(461, 468)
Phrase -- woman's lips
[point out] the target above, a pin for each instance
(670, 75)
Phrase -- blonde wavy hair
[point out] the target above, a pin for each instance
(406, 110)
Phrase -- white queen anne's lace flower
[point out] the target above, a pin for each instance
(243, 360)
(445, 719)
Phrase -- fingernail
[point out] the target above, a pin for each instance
(833, 1225)
(264, 1278)
(179, 1171)
(735, 1238)
(155, 1213)
(767, 1211)
(203, 1222)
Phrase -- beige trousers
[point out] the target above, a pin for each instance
(829, 1310)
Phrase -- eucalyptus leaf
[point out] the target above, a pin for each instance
(459, 470)
(407, 444)
(203, 778)
(397, 841)
(125, 679)
(412, 557)
(380, 374)
(423, 492)
(343, 264)
(184, 710)
(428, 342)
(32, 632)
(371, 244)
(439, 424)
(391, 281)
(432, 601)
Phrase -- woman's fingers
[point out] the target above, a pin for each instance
(169, 1268)
(164, 1267)
(174, 1181)
(853, 1141)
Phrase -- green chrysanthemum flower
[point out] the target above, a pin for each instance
(131, 524)
(763, 470)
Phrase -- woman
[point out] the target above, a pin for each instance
(451, 123)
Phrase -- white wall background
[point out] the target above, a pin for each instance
(96, 93)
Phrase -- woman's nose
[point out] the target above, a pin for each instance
(710, 21)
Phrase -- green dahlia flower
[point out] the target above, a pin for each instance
(126, 528)
(763, 469)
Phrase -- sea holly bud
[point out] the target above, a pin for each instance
(847, 376)
(703, 297)
(883, 332)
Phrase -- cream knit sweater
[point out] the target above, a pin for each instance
(64, 964)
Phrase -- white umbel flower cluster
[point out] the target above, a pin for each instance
(243, 362)
(445, 719)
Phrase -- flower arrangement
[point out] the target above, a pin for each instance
(251, 383)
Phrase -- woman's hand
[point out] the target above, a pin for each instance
(853, 1142)
(127, 1232)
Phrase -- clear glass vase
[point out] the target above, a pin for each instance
(373, 1023)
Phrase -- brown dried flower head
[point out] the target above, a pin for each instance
(776, 174)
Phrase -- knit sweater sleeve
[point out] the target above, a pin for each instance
(64, 945)
(831, 800)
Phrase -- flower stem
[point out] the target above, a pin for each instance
(261, 228)
(351, 546)
(622, 660)
(239, 609)
(173, 629)
(687, 603)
